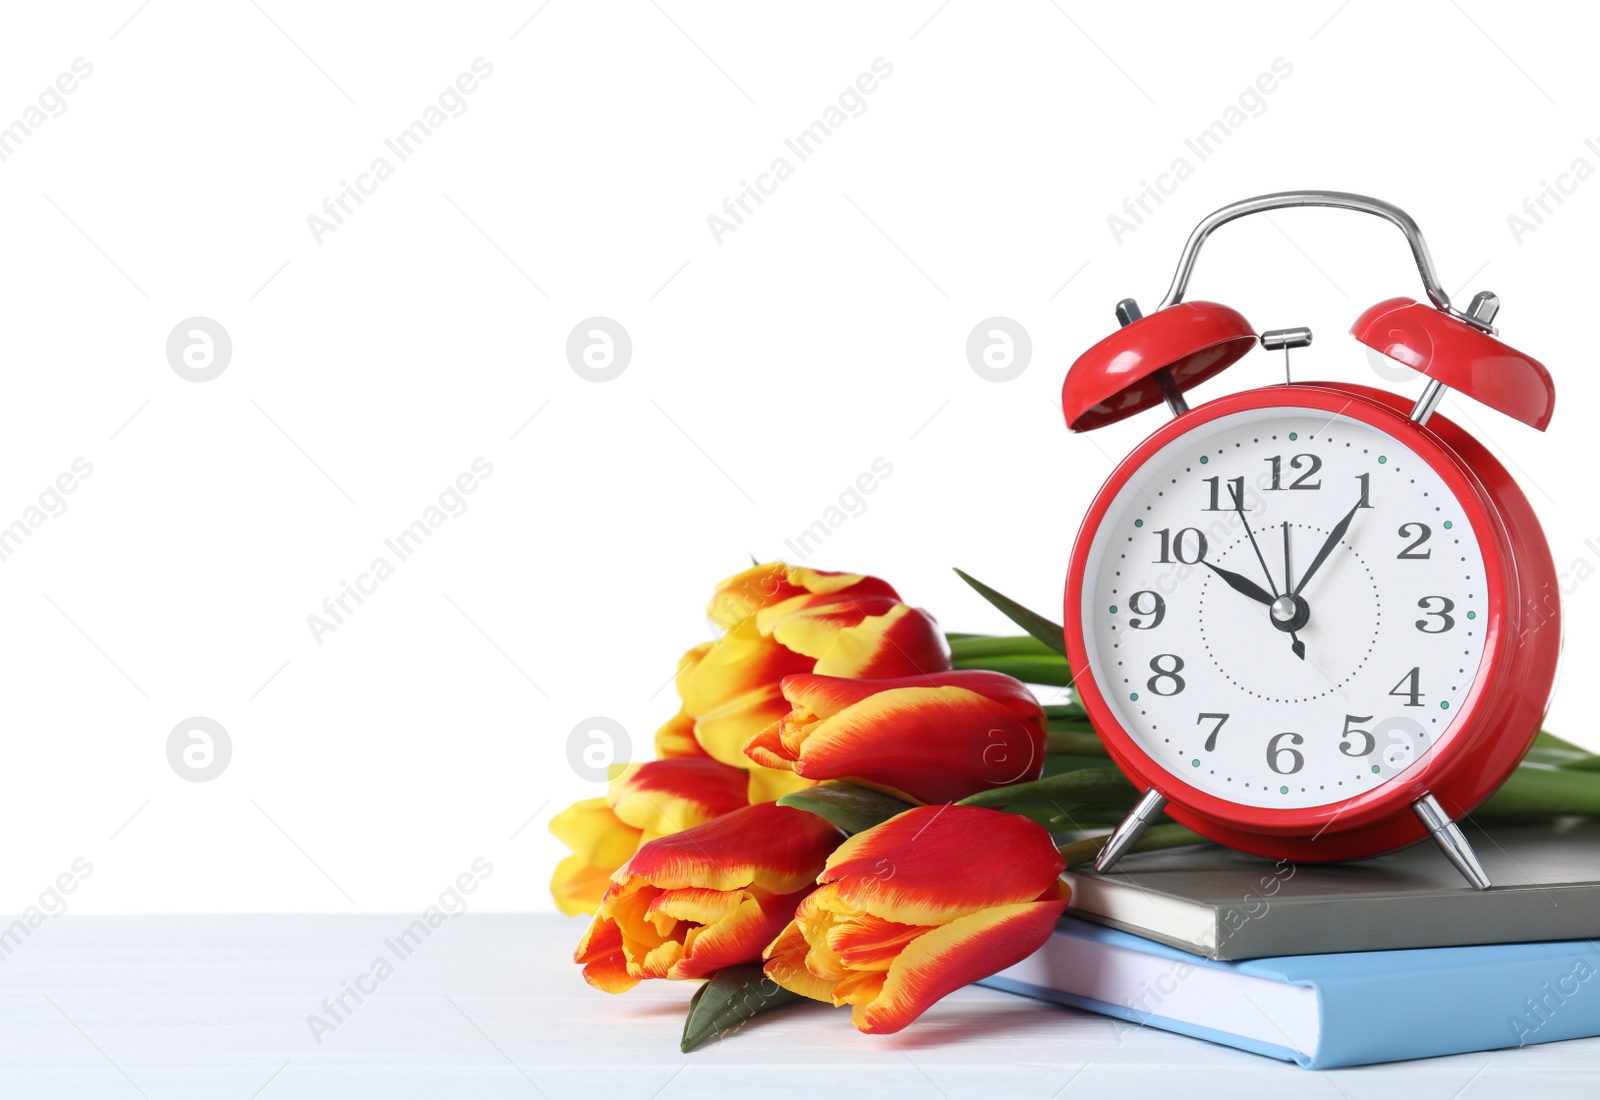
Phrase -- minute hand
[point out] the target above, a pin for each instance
(1334, 536)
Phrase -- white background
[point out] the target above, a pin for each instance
(768, 370)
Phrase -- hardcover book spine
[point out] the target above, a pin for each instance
(1495, 997)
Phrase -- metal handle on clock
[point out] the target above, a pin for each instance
(1342, 200)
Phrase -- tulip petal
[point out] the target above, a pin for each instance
(900, 642)
(666, 796)
(859, 987)
(741, 661)
(824, 583)
(600, 952)
(825, 696)
(595, 834)
(938, 743)
(772, 847)
(933, 864)
(676, 737)
(811, 624)
(744, 594)
(771, 784)
(577, 886)
(786, 965)
(945, 959)
(766, 749)
(697, 905)
(871, 943)
(627, 905)
(658, 961)
(740, 596)
(724, 730)
(688, 663)
(736, 938)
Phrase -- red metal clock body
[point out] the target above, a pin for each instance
(1252, 579)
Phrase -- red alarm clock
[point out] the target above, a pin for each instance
(1314, 620)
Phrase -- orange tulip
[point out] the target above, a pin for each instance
(782, 620)
(642, 802)
(918, 907)
(936, 738)
(689, 904)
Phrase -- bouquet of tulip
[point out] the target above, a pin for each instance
(854, 807)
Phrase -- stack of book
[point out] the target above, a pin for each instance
(1338, 965)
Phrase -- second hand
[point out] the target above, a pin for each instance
(1298, 646)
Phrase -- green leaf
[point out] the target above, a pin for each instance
(1548, 740)
(1543, 791)
(1086, 785)
(1031, 621)
(853, 809)
(1031, 670)
(1550, 749)
(1562, 758)
(732, 996)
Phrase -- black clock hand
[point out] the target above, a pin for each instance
(1295, 643)
(1238, 506)
(1334, 536)
(1242, 585)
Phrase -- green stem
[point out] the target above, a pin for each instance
(1155, 837)
(1074, 743)
(1099, 786)
(978, 646)
(1061, 763)
(1032, 670)
(1070, 726)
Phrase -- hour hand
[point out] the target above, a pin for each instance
(1242, 585)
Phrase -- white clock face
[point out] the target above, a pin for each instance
(1251, 670)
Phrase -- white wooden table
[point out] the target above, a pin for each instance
(491, 1006)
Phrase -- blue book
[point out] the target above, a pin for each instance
(1327, 1010)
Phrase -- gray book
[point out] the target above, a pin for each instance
(1223, 904)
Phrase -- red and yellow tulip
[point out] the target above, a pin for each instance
(937, 737)
(918, 907)
(643, 802)
(783, 620)
(689, 904)
(676, 735)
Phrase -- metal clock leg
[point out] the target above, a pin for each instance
(1131, 829)
(1449, 837)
